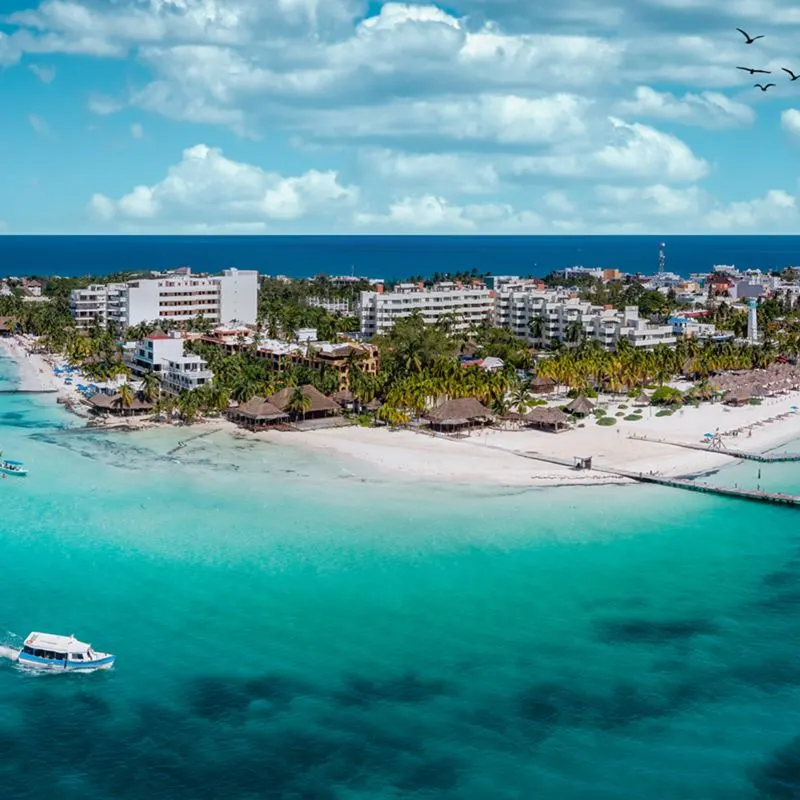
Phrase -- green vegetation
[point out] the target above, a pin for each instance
(633, 418)
(606, 421)
(666, 396)
(664, 412)
(628, 370)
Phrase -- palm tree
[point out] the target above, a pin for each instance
(126, 395)
(520, 398)
(536, 328)
(151, 385)
(188, 406)
(299, 402)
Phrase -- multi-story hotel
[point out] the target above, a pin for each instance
(233, 295)
(466, 305)
(543, 317)
(97, 304)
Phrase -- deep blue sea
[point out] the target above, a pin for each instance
(388, 257)
(291, 628)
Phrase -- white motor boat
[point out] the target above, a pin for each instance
(65, 653)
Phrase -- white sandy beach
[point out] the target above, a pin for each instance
(35, 374)
(493, 456)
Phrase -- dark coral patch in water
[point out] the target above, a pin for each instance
(653, 631)
(546, 706)
(407, 688)
(308, 746)
(779, 778)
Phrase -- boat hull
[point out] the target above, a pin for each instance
(55, 665)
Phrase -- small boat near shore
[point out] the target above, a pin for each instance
(61, 653)
(8, 467)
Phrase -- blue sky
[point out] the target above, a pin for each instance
(293, 116)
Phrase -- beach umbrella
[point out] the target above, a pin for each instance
(709, 435)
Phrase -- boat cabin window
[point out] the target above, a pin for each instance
(32, 651)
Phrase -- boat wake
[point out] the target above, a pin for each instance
(10, 653)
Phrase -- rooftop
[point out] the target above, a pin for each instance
(55, 643)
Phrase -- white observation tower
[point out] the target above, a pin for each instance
(752, 321)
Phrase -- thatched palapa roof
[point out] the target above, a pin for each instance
(344, 396)
(259, 408)
(542, 384)
(373, 404)
(547, 417)
(319, 402)
(580, 405)
(460, 411)
(643, 399)
(740, 394)
(113, 402)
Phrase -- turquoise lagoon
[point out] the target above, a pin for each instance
(292, 627)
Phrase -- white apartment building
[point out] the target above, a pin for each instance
(468, 305)
(341, 307)
(218, 298)
(152, 353)
(641, 333)
(185, 373)
(543, 317)
(233, 295)
(97, 304)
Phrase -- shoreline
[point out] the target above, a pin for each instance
(496, 457)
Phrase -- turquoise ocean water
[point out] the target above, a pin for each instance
(288, 627)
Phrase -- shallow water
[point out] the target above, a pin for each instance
(287, 630)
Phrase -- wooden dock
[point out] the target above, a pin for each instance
(754, 495)
(764, 458)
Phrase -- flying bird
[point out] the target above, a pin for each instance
(754, 71)
(748, 38)
(762, 87)
(790, 73)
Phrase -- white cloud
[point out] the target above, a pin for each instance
(505, 119)
(40, 127)
(558, 201)
(707, 109)
(654, 200)
(775, 211)
(137, 131)
(104, 106)
(433, 213)
(207, 188)
(452, 171)
(44, 73)
(660, 208)
(790, 121)
(635, 150)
